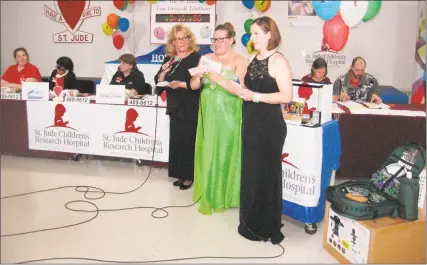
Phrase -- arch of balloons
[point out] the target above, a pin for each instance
(338, 17)
(119, 27)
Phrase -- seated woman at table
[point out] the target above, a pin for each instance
(130, 76)
(22, 71)
(319, 72)
(63, 76)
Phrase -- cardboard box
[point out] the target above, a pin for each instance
(385, 240)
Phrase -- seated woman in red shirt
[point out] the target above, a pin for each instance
(63, 76)
(22, 71)
(319, 72)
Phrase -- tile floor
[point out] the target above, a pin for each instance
(132, 235)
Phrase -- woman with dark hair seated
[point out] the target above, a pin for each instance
(130, 76)
(319, 72)
(63, 76)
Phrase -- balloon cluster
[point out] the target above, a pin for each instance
(118, 27)
(340, 16)
(261, 5)
(246, 38)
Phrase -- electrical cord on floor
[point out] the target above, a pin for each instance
(86, 190)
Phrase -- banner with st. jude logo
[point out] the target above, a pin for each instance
(98, 129)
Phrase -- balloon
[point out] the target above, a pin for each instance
(152, 1)
(248, 24)
(205, 32)
(201, 1)
(352, 12)
(117, 32)
(326, 10)
(374, 7)
(107, 29)
(159, 33)
(248, 3)
(118, 41)
(123, 24)
(210, 2)
(131, 1)
(119, 4)
(249, 47)
(112, 20)
(125, 6)
(262, 5)
(245, 39)
(336, 32)
(117, 27)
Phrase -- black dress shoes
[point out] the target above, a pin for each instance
(184, 186)
(178, 183)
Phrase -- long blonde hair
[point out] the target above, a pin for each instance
(170, 49)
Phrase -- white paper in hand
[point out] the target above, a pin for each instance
(197, 70)
(210, 65)
(162, 84)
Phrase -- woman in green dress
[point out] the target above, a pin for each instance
(217, 166)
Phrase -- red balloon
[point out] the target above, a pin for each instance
(210, 2)
(118, 41)
(119, 4)
(131, 1)
(336, 32)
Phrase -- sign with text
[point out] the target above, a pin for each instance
(35, 91)
(302, 165)
(96, 129)
(200, 17)
(8, 95)
(72, 14)
(110, 94)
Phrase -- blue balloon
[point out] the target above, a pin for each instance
(248, 4)
(326, 10)
(245, 38)
(123, 24)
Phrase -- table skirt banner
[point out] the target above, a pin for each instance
(97, 129)
(319, 151)
(302, 165)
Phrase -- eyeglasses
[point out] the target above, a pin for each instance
(185, 39)
(219, 40)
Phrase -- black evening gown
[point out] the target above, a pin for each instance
(263, 137)
(182, 108)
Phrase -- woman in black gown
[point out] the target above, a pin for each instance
(269, 83)
(182, 103)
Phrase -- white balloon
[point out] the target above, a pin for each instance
(205, 32)
(127, 33)
(352, 12)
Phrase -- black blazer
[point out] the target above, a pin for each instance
(70, 80)
(135, 80)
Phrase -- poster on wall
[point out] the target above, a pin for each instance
(419, 85)
(72, 14)
(313, 47)
(348, 237)
(200, 17)
(302, 14)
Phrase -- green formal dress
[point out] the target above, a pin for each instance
(218, 151)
